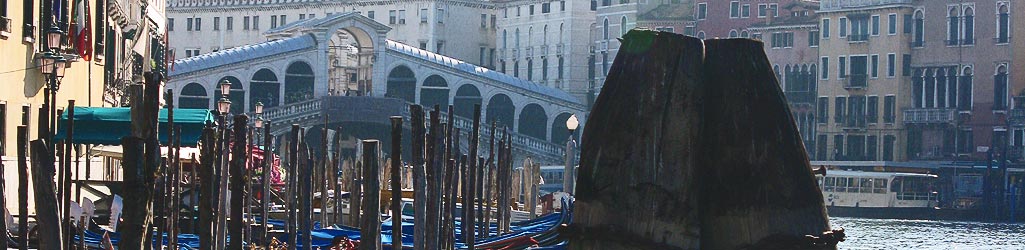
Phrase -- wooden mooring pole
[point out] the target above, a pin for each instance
(237, 181)
(47, 219)
(418, 145)
(66, 188)
(370, 226)
(207, 187)
(23, 186)
(268, 162)
(435, 151)
(396, 180)
(470, 217)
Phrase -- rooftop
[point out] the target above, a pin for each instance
(242, 54)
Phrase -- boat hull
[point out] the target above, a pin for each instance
(904, 213)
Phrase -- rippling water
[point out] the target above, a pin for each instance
(924, 234)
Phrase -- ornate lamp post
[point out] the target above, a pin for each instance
(52, 66)
(223, 107)
(568, 173)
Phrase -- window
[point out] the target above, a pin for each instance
(283, 17)
(3, 118)
(423, 45)
(544, 69)
(245, 23)
(871, 145)
(842, 68)
(605, 29)
(594, 5)
(823, 110)
(28, 15)
(546, 8)
(423, 15)
(859, 71)
(839, 109)
(875, 25)
(889, 109)
(188, 24)
(825, 28)
(302, 16)
(562, 5)
(875, 66)
(820, 153)
(530, 10)
(872, 111)
(969, 26)
(440, 15)
(906, 65)
(838, 155)
(965, 142)
(1003, 19)
(517, 10)
(774, 8)
(483, 21)
(228, 23)
(370, 14)
(825, 68)
(170, 24)
(273, 21)
(953, 25)
(256, 22)
(493, 21)
(402, 16)
(859, 28)
(888, 141)
(199, 24)
(392, 17)
(892, 19)
(622, 26)
(891, 65)
(813, 38)
(1000, 88)
(483, 52)
(745, 11)
(843, 27)
(763, 10)
(702, 11)
(516, 68)
(734, 9)
(908, 24)
(919, 23)
(605, 63)
(560, 67)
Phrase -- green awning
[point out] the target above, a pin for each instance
(97, 125)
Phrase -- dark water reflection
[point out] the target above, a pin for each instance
(924, 234)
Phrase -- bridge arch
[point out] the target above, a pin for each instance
(299, 80)
(434, 91)
(466, 96)
(533, 121)
(264, 88)
(193, 96)
(401, 84)
(237, 95)
(500, 109)
(559, 131)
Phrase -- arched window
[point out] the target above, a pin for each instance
(560, 33)
(193, 96)
(622, 27)
(969, 26)
(517, 38)
(701, 35)
(1000, 88)
(605, 29)
(1003, 23)
(733, 34)
(964, 91)
(919, 29)
(917, 88)
(530, 36)
(544, 35)
(941, 87)
(505, 39)
(953, 25)
(744, 34)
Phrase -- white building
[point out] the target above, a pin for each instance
(444, 26)
(546, 42)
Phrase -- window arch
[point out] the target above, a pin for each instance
(530, 36)
(953, 25)
(505, 39)
(1000, 98)
(701, 35)
(965, 89)
(605, 29)
(919, 37)
(733, 34)
(969, 26)
(517, 42)
(544, 35)
(622, 27)
(560, 32)
(193, 96)
(744, 34)
(1003, 23)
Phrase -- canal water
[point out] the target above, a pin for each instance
(925, 234)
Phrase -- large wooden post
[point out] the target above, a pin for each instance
(66, 188)
(434, 165)
(419, 177)
(237, 181)
(661, 74)
(3, 200)
(499, 188)
(205, 228)
(370, 227)
(268, 163)
(23, 187)
(339, 176)
(396, 180)
(139, 182)
(306, 167)
(47, 218)
(486, 186)
(474, 140)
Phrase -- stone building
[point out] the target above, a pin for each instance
(791, 44)
(546, 42)
(729, 19)
(446, 27)
(865, 64)
(960, 95)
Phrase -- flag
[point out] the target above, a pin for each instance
(81, 31)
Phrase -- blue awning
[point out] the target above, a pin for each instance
(97, 125)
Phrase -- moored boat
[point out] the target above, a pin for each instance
(889, 195)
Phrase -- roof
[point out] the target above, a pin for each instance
(317, 22)
(480, 71)
(96, 125)
(242, 53)
(669, 12)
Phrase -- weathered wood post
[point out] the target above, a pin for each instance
(293, 161)
(3, 200)
(532, 186)
(507, 184)
(370, 227)
(268, 163)
(139, 175)
(221, 228)
(47, 218)
(133, 232)
(500, 188)
(237, 181)
(66, 188)
(661, 74)
(23, 186)
(396, 180)
(306, 167)
(322, 173)
(176, 212)
(419, 176)
(208, 154)
(436, 153)
(171, 204)
(779, 197)
(340, 175)
(486, 182)
(474, 141)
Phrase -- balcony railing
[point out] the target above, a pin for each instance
(516, 53)
(544, 50)
(559, 48)
(1000, 40)
(603, 46)
(530, 52)
(1016, 116)
(929, 115)
(5, 26)
(857, 38)
(917, 44)
(856, 81)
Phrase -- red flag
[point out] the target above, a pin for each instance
(81, 30)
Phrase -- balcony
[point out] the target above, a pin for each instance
(855, 38)
(929, 115)
(603, 45)
(530, 52)
(1016, 117)
(544, 50)
(559, 48)
(516, 53)
(5, 27)
(501, 53)
(1002, 40)
(917, 44)
(856, 81)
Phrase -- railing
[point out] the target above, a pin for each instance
(856, 81)
(857, 37)
(1016, 116)
(530, 52)
(940, 115)
(917, 44)
(5, 26)
(544, 50)
(559, 48)
(290, 113)
(1001, 40)
(603, 45)
(516, 53)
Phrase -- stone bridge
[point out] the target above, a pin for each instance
(341, 69)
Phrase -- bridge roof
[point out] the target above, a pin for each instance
(481, 71)
(242, 53)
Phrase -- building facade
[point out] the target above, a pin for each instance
(731, 19)
(792, 45)
(546, 42)
(864, 80)
(446, 27)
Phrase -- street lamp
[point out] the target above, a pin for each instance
(225, 87)
(223, 106)
(568, 172)
(53, 37)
